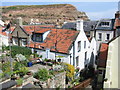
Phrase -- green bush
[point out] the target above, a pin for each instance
(6, 67)
(20, 68)
(42, 74)
(19, 50)
(19, 81)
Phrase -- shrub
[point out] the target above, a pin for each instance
(20, 69)
(17, 66)
(23, 70)
(4, 48)
(69, 70)
(42, 74)
(19, 81)
(6, 67)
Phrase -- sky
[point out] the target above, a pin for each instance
(94, 10)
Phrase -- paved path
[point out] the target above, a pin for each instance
(36, 67)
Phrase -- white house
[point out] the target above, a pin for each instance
(104, 31)
(70, 46)
(112, 67)
(93, 51)
(1, 23)
(3, 37)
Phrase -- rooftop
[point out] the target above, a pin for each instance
(63, 39)
(105, 24)
(87, 25)
(103, 55)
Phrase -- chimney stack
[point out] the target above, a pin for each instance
(79, 25)
(117, 14)
(19, 21)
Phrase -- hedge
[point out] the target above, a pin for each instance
(19, 50)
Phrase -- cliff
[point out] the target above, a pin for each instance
(48, 14)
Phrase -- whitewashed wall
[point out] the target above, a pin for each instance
(65, 58)
(104, 36)
(4, 40)
(81, 54)
(93, 49)
(112, 67)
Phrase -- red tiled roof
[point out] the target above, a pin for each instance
(103, 55)
(64, 40)
(4, 33)
(117, 23)
(30, 28)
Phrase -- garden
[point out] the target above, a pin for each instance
(22, 59)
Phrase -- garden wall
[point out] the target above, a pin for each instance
(58, 81)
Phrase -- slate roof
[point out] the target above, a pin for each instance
(69, 25)
(103, 55)
(87, 25)
(29, 85)
(111, 27)
(8, 84)
(64, 40)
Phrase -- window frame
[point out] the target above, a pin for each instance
(85, 56)
(84, 44)
(107, 35)
(77, 61)
(38, 36)
(79, 46)
(99, 36)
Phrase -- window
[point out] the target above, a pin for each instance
(15, 40)
(84, 44)
(37, 37)
(79, 46)
(99, 36)
(24, 41)
(85, 55)
(104, 24)
(108, 36)
(100, 72)
(77, 60)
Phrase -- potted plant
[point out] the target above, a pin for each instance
(29, 73)
(19, 82)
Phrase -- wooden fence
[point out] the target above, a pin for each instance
(83, 84)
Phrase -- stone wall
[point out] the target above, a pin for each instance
(58, 81)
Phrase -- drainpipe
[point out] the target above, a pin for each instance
(70, 58)
(73, 53)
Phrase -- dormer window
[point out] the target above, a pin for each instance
(37, 37)
(104, 24)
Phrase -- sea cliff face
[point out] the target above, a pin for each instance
(48, 14)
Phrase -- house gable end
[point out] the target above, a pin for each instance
(19, 32)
